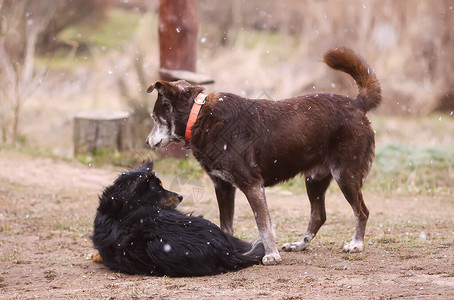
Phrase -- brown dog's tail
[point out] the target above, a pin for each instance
(346, 60)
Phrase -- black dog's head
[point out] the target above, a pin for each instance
(136, 189)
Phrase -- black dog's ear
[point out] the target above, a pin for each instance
(149, 164)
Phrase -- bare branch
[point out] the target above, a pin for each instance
(34, 27)
(21, 24)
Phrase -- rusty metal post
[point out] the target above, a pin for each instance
(178, 28)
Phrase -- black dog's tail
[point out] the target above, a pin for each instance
(246, 254)
(257, 250)
(346, 60)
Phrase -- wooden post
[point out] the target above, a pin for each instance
(178, 28)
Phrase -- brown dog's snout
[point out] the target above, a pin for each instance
(180, 198)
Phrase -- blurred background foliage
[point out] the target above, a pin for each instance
(60, 57)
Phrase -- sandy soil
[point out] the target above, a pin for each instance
(47, 208)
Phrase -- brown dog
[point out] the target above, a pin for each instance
(250, 144)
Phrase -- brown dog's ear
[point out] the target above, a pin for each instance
(151, 88)
(173, 89)
(158, 85)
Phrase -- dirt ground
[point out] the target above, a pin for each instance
(48, 205)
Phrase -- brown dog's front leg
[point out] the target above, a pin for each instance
(225, 194)
(257, 200)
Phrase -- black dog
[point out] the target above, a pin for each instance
(137, 230)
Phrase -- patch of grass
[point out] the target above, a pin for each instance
(268, 42)
(384, 241)
(412, 169)
(50, 274)
(296, 185)
(353, 257)
(63, 227)
(170, 166)
(118, 28)
(104, 157)
(70, 222)
(397, 168)
(189, 167)
(28, 150)
(405, 169)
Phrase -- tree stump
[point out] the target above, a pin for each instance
(445, 103)
(96, 131)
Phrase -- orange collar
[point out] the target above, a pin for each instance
(198, 102)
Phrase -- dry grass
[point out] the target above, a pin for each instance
(406, 42)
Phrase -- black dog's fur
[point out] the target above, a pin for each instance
(138, 231)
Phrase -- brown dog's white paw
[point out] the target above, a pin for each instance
(299, 246)
(271, 259)
(96, 257)
(354, 246)
(293, 247)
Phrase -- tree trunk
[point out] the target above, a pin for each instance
(96, 131)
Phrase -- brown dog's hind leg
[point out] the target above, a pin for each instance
(225, 194)
(256, 197)
(316, 191)
(351, 189)
(361, 215)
